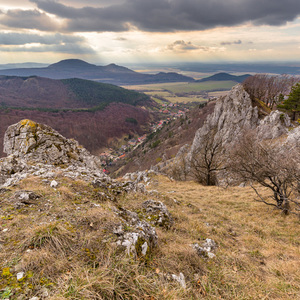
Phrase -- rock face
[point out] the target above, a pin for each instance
(41, 143)
(234, 114)
(294, 137)
(37, 149)
(273, 125)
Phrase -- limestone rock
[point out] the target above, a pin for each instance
(205, 250)
(232, 114)
(37, 149)
(41, 143)
(293, 137)
(180, 279)
(53, 183)
(273, 125)
(158, 214)
(140, 239)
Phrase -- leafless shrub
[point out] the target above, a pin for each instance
(207, 159)
(269, 88)
(271, 165)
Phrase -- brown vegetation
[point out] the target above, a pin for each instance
(94, 130)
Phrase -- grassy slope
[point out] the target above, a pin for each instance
(71, 255)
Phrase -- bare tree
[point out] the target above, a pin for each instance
(207, 159)
(271, 165)
(269, 88)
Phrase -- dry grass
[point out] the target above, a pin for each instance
(64, 244)
(258, 255)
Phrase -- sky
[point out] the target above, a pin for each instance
(158, 31)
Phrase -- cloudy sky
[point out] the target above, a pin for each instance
(105, 31)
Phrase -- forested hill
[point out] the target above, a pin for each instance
(95, 114)
(48, 94)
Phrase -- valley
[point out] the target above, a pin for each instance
(90, 111)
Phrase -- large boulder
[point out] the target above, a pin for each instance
(40, 143)
(37, 149)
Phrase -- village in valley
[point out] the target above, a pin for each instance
(167, 112)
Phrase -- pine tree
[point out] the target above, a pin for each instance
(292, 104)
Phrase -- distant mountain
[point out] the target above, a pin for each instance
(22, 65)
(114, 74)
(94, 113)
(225, 77)
(292, 68)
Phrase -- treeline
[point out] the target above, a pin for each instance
(269, 89)
(56, 110)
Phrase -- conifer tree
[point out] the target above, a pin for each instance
(292, 104)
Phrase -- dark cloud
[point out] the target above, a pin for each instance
(238, 42)
(26, 38)
(29, 19)
(171, 15)
(59, 43)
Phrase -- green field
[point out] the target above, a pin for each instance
(200, 86)
(185, 99)
(190, 91)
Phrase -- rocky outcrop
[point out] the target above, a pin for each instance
(231, 115)
(37, 149)
(42, 144)
(234, 115)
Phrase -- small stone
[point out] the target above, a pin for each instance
(4, 230)
(144, 248)
(180, 278)
(54, 184)
(206, 249)
(20, 275)
(44, 293)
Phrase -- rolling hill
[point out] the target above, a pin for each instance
(111, 73)
(225, 77)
